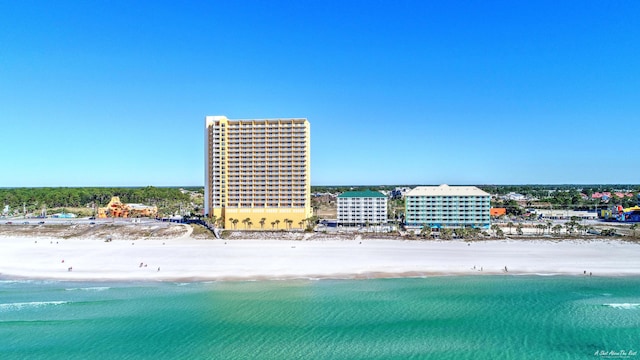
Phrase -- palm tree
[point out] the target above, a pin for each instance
(424, 230)
(549, 225)
(570, 226)
(445, 234)
(509, 225)
(286, 223)
(231, 221)
(250, 223)
(474, 232)
(273, 224)
(301, 223)
(235, 223)
(494, 228)
(542, 227)
(519, 229)
(289, 222)
(312, 221)
(262, 221)
(461, 233)
(246, 222)
(277, 224)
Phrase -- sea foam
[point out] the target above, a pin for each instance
(95, 288)
(623, 306)
(33, 304)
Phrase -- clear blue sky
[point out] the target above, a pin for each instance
(114, 93)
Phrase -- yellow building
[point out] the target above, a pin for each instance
(257, 172)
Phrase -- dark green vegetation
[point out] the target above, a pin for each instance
(33, 200)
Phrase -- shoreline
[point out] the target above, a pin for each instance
(363, 277)
(191, 260)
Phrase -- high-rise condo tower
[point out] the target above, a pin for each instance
(257, 172)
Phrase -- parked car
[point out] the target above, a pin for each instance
(41, 222)
(9, 222)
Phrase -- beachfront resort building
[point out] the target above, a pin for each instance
(257, 172)
(447, 207)
(360, 208)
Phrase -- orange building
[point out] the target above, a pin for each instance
(495, 212)
(117, 209)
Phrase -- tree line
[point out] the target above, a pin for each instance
(36, 198)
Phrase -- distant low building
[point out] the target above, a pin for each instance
(140, 210)
(447, 206)
(606, 195)
(360, 208)
(565, 214)
(116, 209)
(495, 212)
(514, 196)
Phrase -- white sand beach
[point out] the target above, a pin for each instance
(188, 259)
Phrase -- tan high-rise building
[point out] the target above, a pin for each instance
(257, 172)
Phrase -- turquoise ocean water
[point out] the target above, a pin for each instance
(474, 317)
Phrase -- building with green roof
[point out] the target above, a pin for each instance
(360, 208)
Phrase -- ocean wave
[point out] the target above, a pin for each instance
(28, 281)
(95, 288)
(9, 283)
(623, 306)
(33, 304)
(15, 281)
